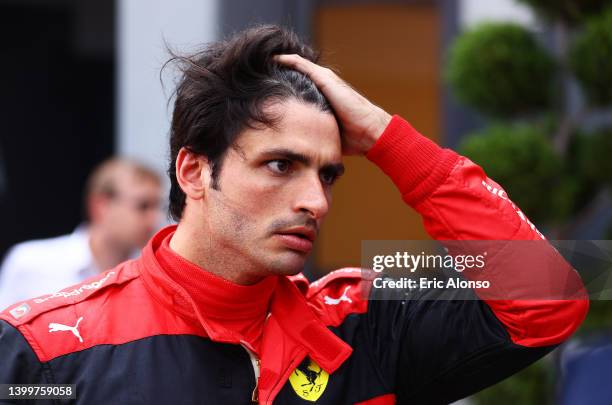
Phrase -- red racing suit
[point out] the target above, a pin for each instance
(133, 336)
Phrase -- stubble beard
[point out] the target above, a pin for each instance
(239, 236)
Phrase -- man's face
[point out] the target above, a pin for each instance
(133, 214)
(274, 189)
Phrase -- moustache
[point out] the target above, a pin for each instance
(305, 221)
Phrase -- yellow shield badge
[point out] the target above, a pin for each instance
(309, 382)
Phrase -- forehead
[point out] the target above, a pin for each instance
(300, 127)
(134, 180)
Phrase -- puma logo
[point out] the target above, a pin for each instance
(56, 327)
(336, 301)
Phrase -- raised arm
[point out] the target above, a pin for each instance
(434, 351)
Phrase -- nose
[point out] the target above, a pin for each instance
(312, 198)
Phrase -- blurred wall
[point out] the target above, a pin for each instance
(144, 29)
(474, 11)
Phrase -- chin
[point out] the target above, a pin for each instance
(287, 264)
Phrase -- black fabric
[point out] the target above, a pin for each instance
(436, 351)
(18, 362)
(356, 380)
(164, 369)
(425, 351)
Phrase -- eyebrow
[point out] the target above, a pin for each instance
(335, 168)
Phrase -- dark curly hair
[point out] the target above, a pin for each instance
(222, 91)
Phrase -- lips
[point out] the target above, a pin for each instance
(299, 238)
(301, 231)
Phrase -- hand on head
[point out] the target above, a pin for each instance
(361, 121)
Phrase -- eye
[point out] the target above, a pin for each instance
(279, 166)
(328, 178)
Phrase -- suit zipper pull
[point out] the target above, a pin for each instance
(255, 395)
(256, 363)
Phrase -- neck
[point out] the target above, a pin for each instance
(201, 250)
(105, 253)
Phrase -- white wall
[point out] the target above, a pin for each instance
(472, 12)
(143, 115)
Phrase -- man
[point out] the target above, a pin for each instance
(122, 208)
(209, 314)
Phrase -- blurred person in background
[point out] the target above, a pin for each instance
(122, 208)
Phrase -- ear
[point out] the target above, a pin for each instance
(192, 173)
(97, 207)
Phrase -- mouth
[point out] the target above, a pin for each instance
(303, 232)
(299, 238)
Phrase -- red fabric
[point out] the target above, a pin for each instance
(415, 164)
(241, 310)
(324, 295)
(457, 201)
(115, 308)
(292, 333)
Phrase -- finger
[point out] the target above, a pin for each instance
(317, 73)
(296, 62)
(323, 78)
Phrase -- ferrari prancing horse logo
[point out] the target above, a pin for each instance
(309, 382)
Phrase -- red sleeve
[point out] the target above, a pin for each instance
(457, 201)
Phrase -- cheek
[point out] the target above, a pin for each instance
(256, 195)
(246, 215)
(116, 216)
(259, 206)
(249, 198)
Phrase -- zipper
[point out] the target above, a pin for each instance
(256, 363)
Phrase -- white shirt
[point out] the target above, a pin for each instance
(45, 266)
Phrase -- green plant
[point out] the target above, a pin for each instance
(494, 67)
(591, 59)
(595, 158)
(599, 317)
